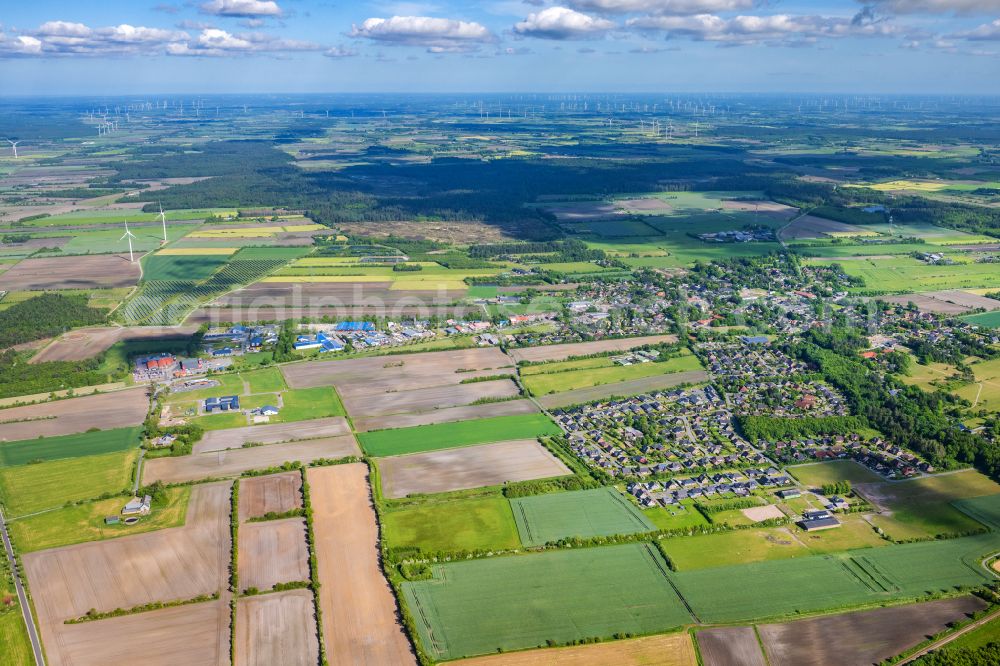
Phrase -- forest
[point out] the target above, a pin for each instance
(45, 316)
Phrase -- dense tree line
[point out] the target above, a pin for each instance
(45, 316)
(987, 655)
(772, 429)
(922, 421)
(17, 377)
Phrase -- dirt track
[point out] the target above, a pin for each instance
(360, 624)
(176, 563)
(468, 467)
(234, 462)
(98, 271)
(105, 411)
(276, 493)
(277, 628)
(446, 414)
(234, 438)
(272, 552)
(560, 352)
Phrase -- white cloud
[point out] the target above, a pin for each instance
(62, 38)
(242, 8)
(340, 52)
(437, 35)
(562, 23)
(983, 33)
(936, 6)
(678, 7)
(776, 28)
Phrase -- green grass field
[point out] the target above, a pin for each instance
(181, 267)
(985, 509)
(221, 420)
(984, 319)
(311, 403)
(512, 603)
(606, 373)
(582, 513)
(28, 488)
(978, 637)
(815, 475)
(265, 380)
(467, 524)
(736, 546)
(85, 522)
(14, 644)
(923, 507)
(228, 385)
(69, 446)
(906, 274)
(826, 582)
(675, 517)
(398, 441)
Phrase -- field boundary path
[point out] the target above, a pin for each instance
(949, 638)
(22, 597)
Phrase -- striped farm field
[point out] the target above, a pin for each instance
(235, 233)
(512, 603)
(581, 513)
(69, 446)
(303, 227)
(197, 251)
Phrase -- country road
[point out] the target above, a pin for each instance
(949, 638)
(22, 597)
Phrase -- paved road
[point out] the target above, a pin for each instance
(22, 598)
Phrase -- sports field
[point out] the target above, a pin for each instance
(468, 524)
(68, 446)
(458, 433)
(779, 588)
(607, 372)
(511, 603)
(28, 488)
(582, 513)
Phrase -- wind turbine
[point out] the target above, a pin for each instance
(128, 234)
(13, 146)
(163, 220)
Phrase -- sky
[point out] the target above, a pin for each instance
(111, 47)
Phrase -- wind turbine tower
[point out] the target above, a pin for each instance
(128, 234)
(163, 221)
(13, 146)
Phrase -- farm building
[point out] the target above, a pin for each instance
(790, 493)
(818, 520)
(354, 326)
(225, 403)
(137, 506)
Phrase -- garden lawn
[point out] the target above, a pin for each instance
(28, 488)
(398, 441)
(519, 602)
(674, 517)
(582, 513)
(69, 446)
(85, 522)
(469, 524)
